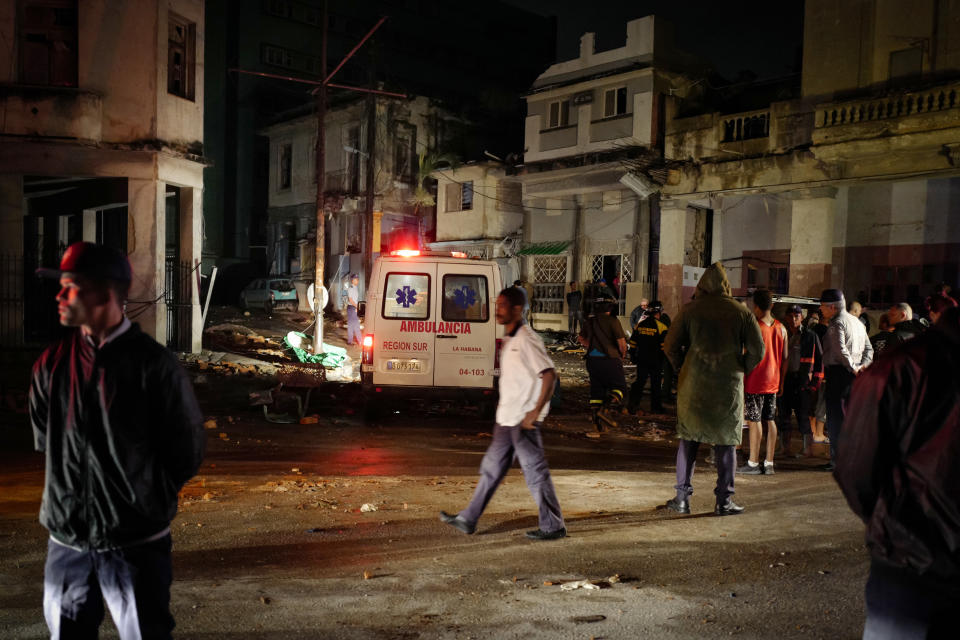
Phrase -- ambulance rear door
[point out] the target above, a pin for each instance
(403, 337)
(466, 324)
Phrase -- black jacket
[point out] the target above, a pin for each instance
(810, 356)
(908, 329)
(646, 342)
(122, 433)
(897, 455)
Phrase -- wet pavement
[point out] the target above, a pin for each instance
(330, 530)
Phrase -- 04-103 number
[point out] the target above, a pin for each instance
(472, 372)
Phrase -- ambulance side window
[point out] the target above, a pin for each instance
(465, 298)
(407, 296)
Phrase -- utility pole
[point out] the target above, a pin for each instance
(319, 254)
(370, 190)
(320, 91)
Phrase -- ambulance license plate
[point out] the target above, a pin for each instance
(412, 366)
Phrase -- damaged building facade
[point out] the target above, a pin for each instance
(361, 187)
(588, 217)
(854, 185)
(479, 212)
(101, 140)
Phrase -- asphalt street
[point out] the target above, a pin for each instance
(273, 538)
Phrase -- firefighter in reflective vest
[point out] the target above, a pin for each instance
(646, 351)
(606, 345)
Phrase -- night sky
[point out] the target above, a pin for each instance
(733, 36)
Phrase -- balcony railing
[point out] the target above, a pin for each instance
(745, 126)
(53, 112)
(896, 106)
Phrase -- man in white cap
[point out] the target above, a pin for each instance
(846, 352)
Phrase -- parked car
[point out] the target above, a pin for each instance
(269, 294)
(782, 301)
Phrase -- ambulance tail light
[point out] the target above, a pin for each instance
(367, 355)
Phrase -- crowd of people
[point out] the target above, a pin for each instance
(890, 405)
(894, 459)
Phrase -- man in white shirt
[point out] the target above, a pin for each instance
(527, 378)
(846, 352)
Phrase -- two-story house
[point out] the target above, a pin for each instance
(587, 118)
(101, 139)
(480, 212)
(403, 129)
(854, 184)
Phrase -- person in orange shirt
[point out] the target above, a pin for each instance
(764, 384)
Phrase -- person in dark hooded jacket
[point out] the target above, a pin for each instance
(712, 342)
(118, 422)
(897, 466)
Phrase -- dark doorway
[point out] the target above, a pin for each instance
(59, 211)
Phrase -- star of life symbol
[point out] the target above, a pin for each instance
(464, 297)
(406, 297)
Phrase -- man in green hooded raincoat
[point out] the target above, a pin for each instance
(713, 342)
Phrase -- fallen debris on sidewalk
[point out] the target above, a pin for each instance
(578, 584)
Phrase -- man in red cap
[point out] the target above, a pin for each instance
(118, 422)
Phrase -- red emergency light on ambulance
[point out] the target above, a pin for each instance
(430, 326)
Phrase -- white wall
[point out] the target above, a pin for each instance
(489, 217)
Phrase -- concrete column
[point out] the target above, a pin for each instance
(811, 240)
(89, 225)
(673, 232)
(12, 260)
(146, 247)
(191, 248)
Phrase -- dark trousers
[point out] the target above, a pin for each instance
(353, 325)
(725, 456)
(527, 446)
(574, 320)
(134, 581)
(796, 402)
(904, 606)
(838, 383)
(606, 379)
(653, 372)
(668, 375)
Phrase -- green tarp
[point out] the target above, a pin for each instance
(330, 357)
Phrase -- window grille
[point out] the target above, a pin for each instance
(549, 278)
(548, 269)
(622, 269)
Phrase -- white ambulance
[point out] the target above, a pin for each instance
(430, 327)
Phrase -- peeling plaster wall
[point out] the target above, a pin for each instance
(180, 120)
(608, 231)
(489, 217)
(119, 59)
(755, 223)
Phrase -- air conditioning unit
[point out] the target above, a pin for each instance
(639, 185)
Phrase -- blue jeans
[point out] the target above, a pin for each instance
(527, 446)
(353, 325)
(134, 581)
